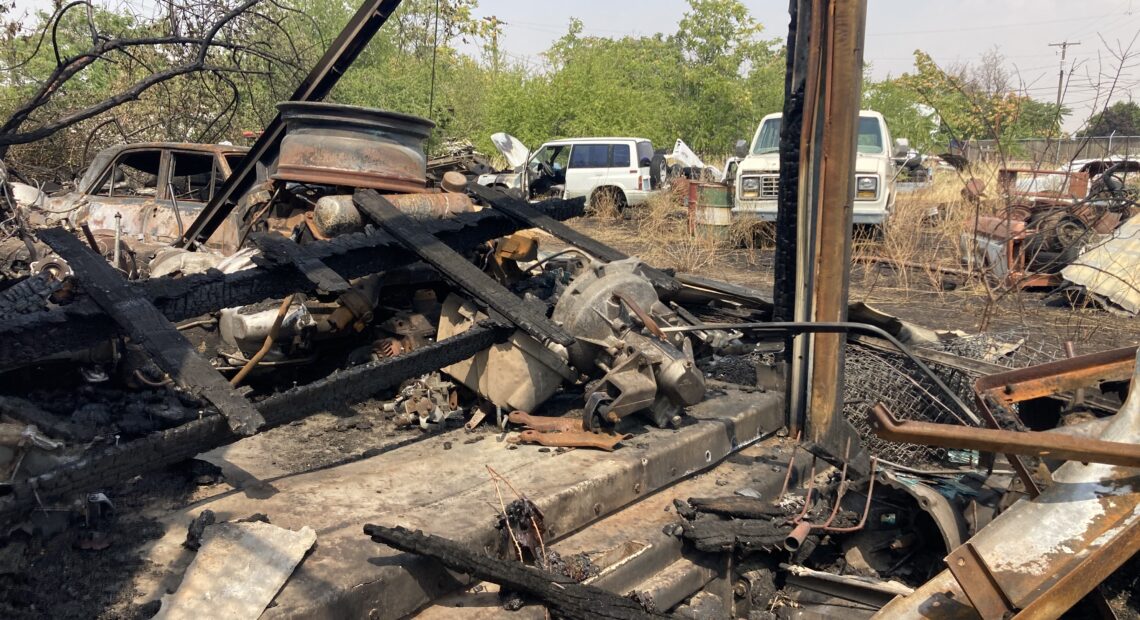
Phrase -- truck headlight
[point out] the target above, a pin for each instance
(866, 188)
(750, 187)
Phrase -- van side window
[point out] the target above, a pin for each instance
(644, 153)
(590, 156)
(621, 156)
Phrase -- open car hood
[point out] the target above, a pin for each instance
(515, 151)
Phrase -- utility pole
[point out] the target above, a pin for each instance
(1064, 45)
(496, 23)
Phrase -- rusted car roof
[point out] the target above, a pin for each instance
(103, 157)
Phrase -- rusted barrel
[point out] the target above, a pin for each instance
(713, 210)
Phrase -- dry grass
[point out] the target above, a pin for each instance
(664, 225)
(921, 240)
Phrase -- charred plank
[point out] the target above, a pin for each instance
(564, 598)
(117, 463)
(278, 249)
(717, 535)
(151, 330)
(737, 506)
(458, 269)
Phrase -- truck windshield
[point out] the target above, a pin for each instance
(768, 139)
(870, 136)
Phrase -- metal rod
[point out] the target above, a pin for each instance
(1031, 443)
(118, 236)
(270, 338)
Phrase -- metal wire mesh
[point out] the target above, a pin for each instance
(1012, 348)
(871, 376)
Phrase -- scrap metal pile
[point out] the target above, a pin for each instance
(1054, 219)
(185, 297)
(340, 274)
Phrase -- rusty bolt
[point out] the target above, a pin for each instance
(637, 487)
(597, 509)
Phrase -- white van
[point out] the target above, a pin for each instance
(757, 177)
(617, 168)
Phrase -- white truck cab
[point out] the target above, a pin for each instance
(757, 177)
(617, 168)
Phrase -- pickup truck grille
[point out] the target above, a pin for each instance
(769, 186)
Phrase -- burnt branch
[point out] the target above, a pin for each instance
(197, 57)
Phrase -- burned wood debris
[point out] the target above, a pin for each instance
(674, 444)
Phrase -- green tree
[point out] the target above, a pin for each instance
(1122, 117)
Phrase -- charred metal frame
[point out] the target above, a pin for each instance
(832, 87)
(315, 87)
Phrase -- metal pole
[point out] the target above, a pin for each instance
(832, 95)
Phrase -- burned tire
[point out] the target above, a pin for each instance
(658, 170)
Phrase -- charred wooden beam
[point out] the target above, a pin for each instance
(526, 214)
(129, 459)
(415, 237)
(152, 331)
(564, 597)
(737, 507)
(81, 324)
(279, 249)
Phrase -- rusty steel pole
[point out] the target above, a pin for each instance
(832, 93)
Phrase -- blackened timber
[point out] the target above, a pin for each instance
(564, 597)
(132, 458)
(81, 325)
(152, 331)
(458, 269)
(532, 218)
(276, 248)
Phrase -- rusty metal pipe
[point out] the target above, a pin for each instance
(1043, 445)
(1060, 376)
(796, 538)
(270, 338)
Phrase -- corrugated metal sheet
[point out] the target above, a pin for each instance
(1111, 269)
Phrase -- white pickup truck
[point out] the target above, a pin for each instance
(757, 177)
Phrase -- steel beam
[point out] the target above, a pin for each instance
(826, 194)
(1062, 375)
